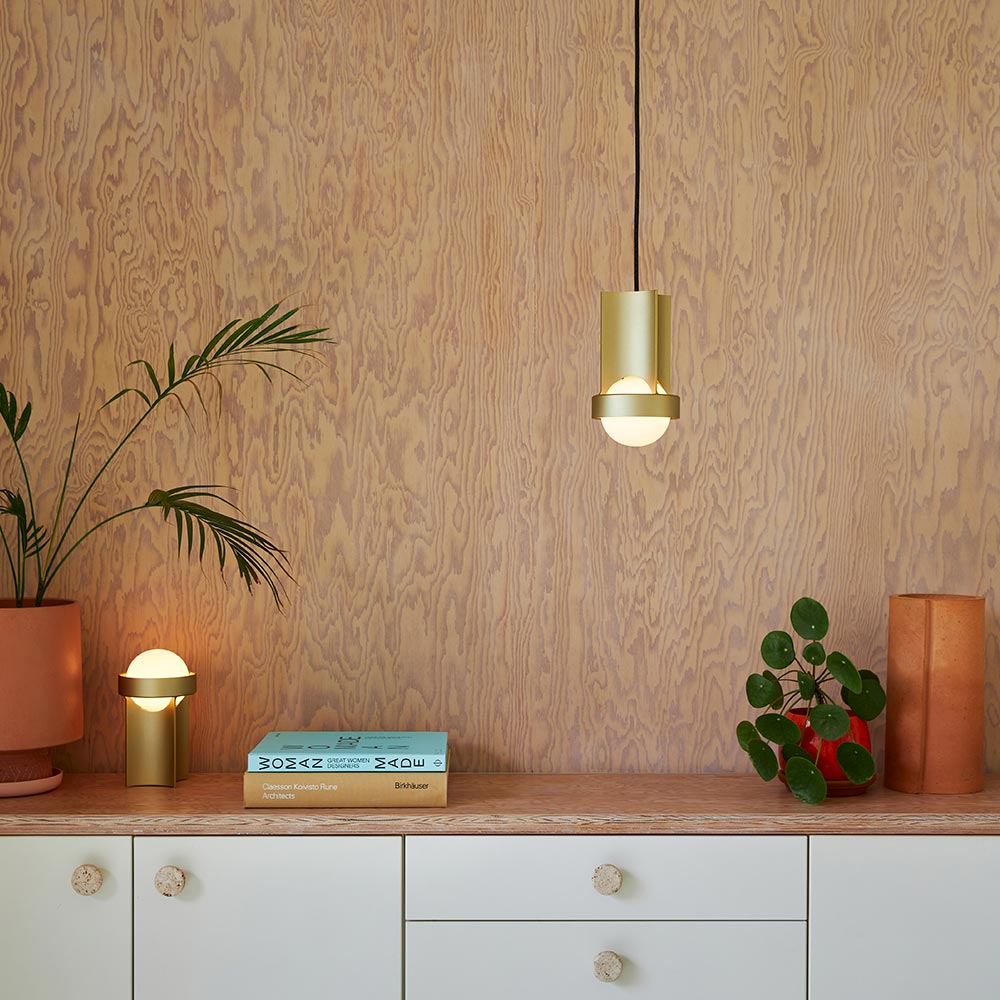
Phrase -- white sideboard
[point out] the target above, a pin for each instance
(706, 887)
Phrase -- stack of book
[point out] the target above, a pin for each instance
(349, 770)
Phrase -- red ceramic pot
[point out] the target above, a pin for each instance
(827, 762)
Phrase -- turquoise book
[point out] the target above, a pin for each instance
(338, 752)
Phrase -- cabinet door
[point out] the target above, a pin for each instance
(696, 960)
(266, 917)
(55, 942)
(910, 917)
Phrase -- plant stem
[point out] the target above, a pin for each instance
(89, 532)
(55, 547)
(31, 511)
(790, 701)
(18, 588)
(62, 492)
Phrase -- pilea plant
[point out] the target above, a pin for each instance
(818, 740)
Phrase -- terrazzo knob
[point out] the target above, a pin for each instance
(607, 966)
(87, 879)
(170, 881)
(607, 879)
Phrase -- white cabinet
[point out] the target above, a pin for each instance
(265, 917)
(59, 942)
(495, 917)
(910, 917)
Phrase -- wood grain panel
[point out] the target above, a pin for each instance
(448, 187)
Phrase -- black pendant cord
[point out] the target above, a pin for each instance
(635, 220)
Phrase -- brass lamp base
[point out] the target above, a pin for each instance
(157, 743)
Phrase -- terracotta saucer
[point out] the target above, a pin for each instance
(13, 789)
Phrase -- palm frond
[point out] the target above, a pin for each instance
(264, 343)
(66, 474)
(11, 502)
(16, 425)
(127, 391)
(36, 538)
(237, 343)
(31, 536)
(258, 560)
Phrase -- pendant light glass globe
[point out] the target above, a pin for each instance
(635, 432)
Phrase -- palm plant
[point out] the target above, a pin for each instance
(262, 343)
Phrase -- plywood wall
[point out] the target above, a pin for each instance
(448, 187)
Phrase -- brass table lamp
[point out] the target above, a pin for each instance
(156, 686)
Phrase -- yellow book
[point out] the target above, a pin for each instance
(344, 789)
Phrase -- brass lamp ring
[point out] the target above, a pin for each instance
(630, 405)
(156, 687)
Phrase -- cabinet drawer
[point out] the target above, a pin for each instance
(550, 878)
(539, 961)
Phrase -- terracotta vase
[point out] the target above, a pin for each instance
(41, 691)
(934, 733)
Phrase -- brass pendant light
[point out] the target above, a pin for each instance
(634, 405)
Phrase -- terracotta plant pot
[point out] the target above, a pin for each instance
(41, 690)
(837, 782)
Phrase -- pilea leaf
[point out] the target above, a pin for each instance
(830, 721)
(809, 618)
(857, 762)
(778, 728)
(844, 671)
(762, 691)
(777, 650)
(805, 781)
(763, 759)
(807, 685)
(745, 732)
(869, 702)
(814, 653)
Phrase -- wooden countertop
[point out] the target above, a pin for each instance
(92, 804)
